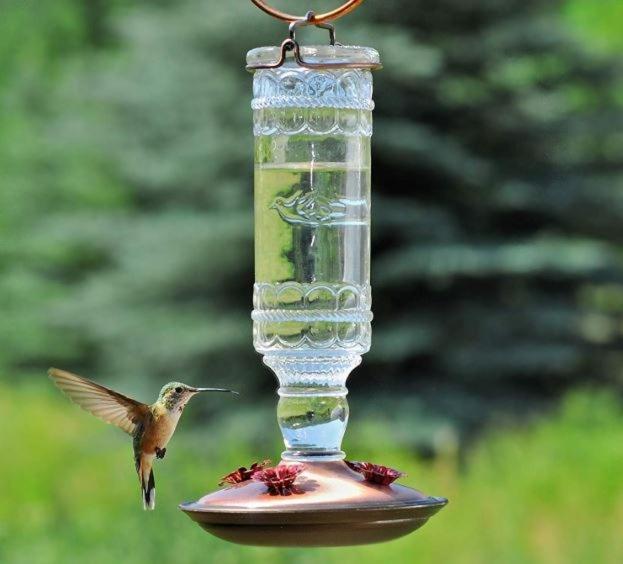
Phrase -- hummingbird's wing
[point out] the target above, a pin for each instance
(108, 405)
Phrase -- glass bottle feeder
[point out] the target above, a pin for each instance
(312, 121)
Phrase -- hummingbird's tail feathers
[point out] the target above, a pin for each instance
(149, 492)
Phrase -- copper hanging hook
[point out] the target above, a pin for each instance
(291, 45)
(338, 12)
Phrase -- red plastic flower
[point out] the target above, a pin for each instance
(243, 474)
(280, 479)
(375, 473)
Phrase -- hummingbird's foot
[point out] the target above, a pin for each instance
(160, 452)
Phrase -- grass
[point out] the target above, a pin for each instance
(550, 493)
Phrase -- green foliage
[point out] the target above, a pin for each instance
(125, 208)
(598, 22)
(545, 494)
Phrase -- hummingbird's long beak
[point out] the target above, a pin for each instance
(198, 390)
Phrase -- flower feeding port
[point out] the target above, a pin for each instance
(312, 122)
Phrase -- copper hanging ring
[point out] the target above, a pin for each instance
(342, 10)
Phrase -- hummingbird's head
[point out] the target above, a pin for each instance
(176, 395)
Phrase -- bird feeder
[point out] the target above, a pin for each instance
(312, 122)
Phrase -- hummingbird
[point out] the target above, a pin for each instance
(151, 426)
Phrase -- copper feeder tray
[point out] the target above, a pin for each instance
(333, 506)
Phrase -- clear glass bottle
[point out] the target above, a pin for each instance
(312, 295)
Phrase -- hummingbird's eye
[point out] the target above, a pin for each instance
(179, 389)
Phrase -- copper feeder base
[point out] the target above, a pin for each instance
(334, 506)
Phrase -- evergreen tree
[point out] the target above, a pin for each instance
(497, 204)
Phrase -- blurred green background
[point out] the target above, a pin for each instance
(126, 255)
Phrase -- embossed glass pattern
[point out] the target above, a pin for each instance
(312, 294)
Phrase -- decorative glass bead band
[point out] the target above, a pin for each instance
(296, 372)
(311, 296)
(355, 338)
(303, 88)
(294, 121)
(296, 316)
(277, 315)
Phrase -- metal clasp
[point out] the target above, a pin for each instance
(310, 20)
(290, 44)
